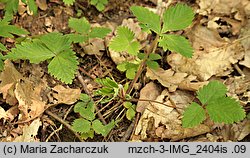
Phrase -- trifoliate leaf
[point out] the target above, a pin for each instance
(63, 66)
(154, 56)
(152, 64)
(81, 125)
(225, 110)
(79, 25)
(99, 128)
(34, 51)
(68, 2)
(99, 32)
(124, 41)
(56, 42)
(176, 43)
(86, 109)
(193, 115)
(2, 47)
(7, 30)
(130, 113)
(147, 17)
(177, 17)
(212, 91)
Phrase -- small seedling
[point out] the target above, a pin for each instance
(99, 4)
(220, 108)
(87, 124)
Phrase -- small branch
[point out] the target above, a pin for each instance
(64, 123)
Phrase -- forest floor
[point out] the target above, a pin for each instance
(220, 36)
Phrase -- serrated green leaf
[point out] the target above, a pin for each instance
(154, 56)
(127, 104)
(34, 51)
(99, 128)
(177, 17)
(124, 41)
(84, 97)
(87, 135)
(81, 125)
(11, 6)
(122, 67)
(86, 109)
(2, 47)
(99, 4)
(176, 43)
(77, 38)
(152, 64)
(1, 62)
(147, 17)
(130, 113)
(79, 25)
(193, 115)
(56, 42)
(7, 30)
(141, 56)
(99, 32)
(100, 7)
(225, 110)
(211, 91)
(64, 66)
(68, 2)
(130, 73)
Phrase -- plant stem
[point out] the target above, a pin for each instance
(151, 49)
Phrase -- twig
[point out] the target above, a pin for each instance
(64, 123)
(128, 132)
(86, 73)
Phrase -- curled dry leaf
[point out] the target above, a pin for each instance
(29, 132)
(172, 80)
(149, 92)
(66, 95)
(212, 55)
(9, 77)
(245, 36)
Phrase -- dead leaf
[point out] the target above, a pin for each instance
(212, 55)
(95, 46)
(29, 132)
(245, 36)
(42, 4)
(66, 95)
(9, 77)
(150, 91)
(3, 114)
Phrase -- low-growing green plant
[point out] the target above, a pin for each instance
(7, 31)
(214, 102)
(99, 4)
(11, 6)
(88, 124)
(68, 2)
(175, 18)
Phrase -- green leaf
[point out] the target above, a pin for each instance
(154, 56)
(176, 43)
(81, 125)
(99, 32)
(77, 38)
(34, 51)
(147, 17)
(32, 6)
(99, 128)
(130, 73)
(177, 17)
(11, 6)
(124, 41)
(211, 91)
(130, 113)
(7, 30)
(152, 64)
(56, 42)
(86, 109)
(99, 4)
(84, 97)
(1, 62)
(64, 66)
(122, 67)
(225, 110)
(2, 47)
(68, 2)
(79, 25)
(194, 114)
(89, 134)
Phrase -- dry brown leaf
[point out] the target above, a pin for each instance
(29, 99)
(212, 55)
(3, 114)
(149, 92)
(95, 46)
(29, 132)
(243, 131)
(9, 77)
(66, 95)
(245, 36)
(42, 4)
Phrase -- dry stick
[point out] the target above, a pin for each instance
(64, 123)
(86, 73)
